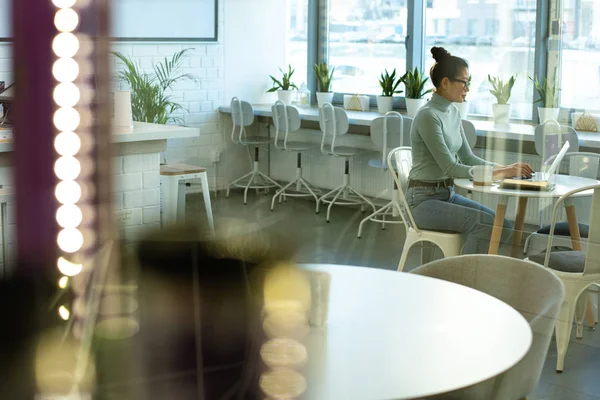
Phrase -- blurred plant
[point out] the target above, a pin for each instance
(389, 83)
(285, 83)
(149, 99)
(414, 81)
(548, 94)
(500, 89)
(324, 77)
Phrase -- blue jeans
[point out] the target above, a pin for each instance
(440, 209)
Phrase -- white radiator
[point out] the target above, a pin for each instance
(326, 172)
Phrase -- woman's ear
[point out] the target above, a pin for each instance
(445, 83)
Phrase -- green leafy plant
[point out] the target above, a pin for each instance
(389, 83)
(548, 94)
(150, 101)
(285, 83)
(414, 81)
(324, 77)
(501, 90)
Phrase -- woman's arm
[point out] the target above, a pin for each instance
(466, 154)
(430, 130)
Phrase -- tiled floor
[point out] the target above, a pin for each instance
(336, 242)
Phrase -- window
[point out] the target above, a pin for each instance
(580, 72)
(365, 38)
(503, 47)
(296, 49)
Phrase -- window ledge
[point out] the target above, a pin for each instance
(485, 128)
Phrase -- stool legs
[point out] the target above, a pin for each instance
(253, 176)
(170, 192)
(390, 209)
(298, 183)
(207, 203)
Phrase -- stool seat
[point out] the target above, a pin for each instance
(180, 169)
(297, 146)
(254, 140)
(346, 151)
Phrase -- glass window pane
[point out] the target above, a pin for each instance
(365, 38)
(580, 76)
(496, 38)
(296, 49)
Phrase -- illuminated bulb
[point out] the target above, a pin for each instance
(66, 94)
(63, 282)
(66, 20)
(69, 216)
(68, 268)
(65, 44)
(65, 70)
(64, 312)
(67, 168)
(70, 240)
(64, 3)
(66, 119)
(67, 143)
(68, 192)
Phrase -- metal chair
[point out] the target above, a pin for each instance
(470, 133)
(287, 120)
(450, 244)
(387, 133)
(578, 270)
(242, 115)
(334, 123)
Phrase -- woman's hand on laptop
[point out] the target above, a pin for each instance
(512, 170)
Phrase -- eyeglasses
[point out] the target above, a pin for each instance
(466, 84)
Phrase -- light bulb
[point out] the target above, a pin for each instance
(64, 312)
(69, 216)
(65, 70)
(67, 143)
(68, 268)
(66, 20)
(70, 240)
(68, 192)
(64, 3)
(63, 282)
(65, 44)
(66, 119)
(66, 94)
(67, 168)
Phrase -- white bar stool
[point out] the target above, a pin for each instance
(173, 189)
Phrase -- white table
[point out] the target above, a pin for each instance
(393, 335)
(563, 184)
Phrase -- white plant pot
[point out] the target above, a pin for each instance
(285, 96)
(385, 104)
(324, 97)
(546, 114)
(501, 113)
(413, 105)
(463, 108)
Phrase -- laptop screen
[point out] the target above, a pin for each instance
(555, 164)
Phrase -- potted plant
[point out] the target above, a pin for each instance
(324, 77)
(548, 97)
(414, 81)
(389, 84)
(501, 91)
(283, 87)
(463, 108)
(149, 99)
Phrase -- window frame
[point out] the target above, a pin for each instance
(415, 47)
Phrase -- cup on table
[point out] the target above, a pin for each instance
(482, 175)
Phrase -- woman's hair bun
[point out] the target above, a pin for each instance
(439, 53)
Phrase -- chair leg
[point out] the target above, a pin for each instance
(207, 203)
(526, 245)
(340, 191)
(382, 211)
(579, 316)
(363, 198)
(564, 324)
(279, 194)
(249, 174)
(408, 243)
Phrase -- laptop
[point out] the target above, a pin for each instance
(540, 180)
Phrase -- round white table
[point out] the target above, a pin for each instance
(562, 185)
(393, 335)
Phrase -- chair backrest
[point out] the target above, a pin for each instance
(592, 255)
(242, 115)
(333, 122)
(550, 137)
(400, 159)
(387, 132)
(470, 133)
(582, 164)
(529, 288)
(286, 120)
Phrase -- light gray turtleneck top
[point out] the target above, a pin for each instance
(439, 146)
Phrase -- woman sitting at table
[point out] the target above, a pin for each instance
(440, 153)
